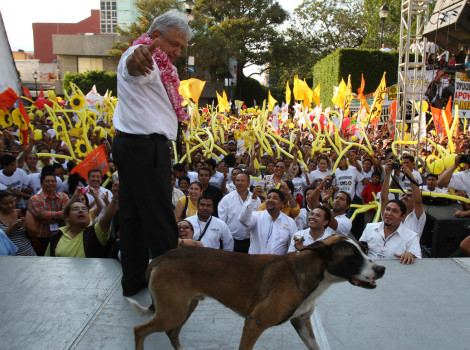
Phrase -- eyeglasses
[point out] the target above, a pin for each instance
(280, 166)
(77, 209)
(183, 228)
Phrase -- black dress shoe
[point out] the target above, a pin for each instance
(129, 290)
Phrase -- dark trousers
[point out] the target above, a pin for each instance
(146, 217)
(42, 245)
(241, 246)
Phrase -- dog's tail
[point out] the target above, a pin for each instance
(140, 309)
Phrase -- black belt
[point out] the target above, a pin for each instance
(135, 136)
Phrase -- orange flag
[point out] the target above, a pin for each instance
(26, 92)
(392, 119)
(41, 93)
(96, 159)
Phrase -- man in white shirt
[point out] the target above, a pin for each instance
(209, 230)
(403, 180)
(339, 223)
(145, 118)
(229, 210)
(346, 177)
(271, 230)
(216, 177)
(457, 181)
(390, 239)
(415, 218)
(318, 220)
(15, 180)
(431, 185)
(95, 178)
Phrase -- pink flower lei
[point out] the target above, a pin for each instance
(169, 76)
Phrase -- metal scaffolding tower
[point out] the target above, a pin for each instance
(411, 71)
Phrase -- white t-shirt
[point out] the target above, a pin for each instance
(217, 179)
(300, 185)
(346, 180)
(401, 241)
(317, 174)
(17, 181)
(405, 183)
(360, 186)
(216, 231)
(308, 239)
(436, 190)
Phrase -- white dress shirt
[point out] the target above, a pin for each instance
(267, 236)
(216, 231)
(460, 181)
(414, 224)
(308, 239)
(401, 241)
(103, 191)
(229, 211)
(143, 107)
(344, 226)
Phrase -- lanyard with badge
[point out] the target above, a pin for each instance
(382, 253)
(205, 228)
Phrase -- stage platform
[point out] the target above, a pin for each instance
(61, 303)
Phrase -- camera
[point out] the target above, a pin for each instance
(396, 165)
(83, 190)
(465, 158)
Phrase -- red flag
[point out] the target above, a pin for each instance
(41, 94)
(26, 92)
(8, 99)
(96, 159)
(24, 127)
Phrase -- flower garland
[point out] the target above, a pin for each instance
(169, 76)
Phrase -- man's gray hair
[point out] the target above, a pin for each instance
(172, 19)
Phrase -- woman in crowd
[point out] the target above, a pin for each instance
(187, 206)
(183, 185)
(186, 233)
(18, 229)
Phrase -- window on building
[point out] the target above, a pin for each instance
(89, 63)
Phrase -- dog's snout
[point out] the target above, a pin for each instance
(379, 270)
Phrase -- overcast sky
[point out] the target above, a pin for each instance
(18, 16)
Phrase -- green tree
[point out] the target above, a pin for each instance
(147, 11)
(241, 29)
(335, 24)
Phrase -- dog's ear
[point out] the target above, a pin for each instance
(319, 248)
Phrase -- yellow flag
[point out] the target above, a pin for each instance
(379, 96)
(196, 88)
(271, 101)
(340, 95)
(299, 89)
(77, 133)
(184, 89)
(222, 106)
(348, 100)
(191, 88)
(288, 93)
(316, 94)
(306, 100)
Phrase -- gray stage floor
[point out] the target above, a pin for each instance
(60, 303)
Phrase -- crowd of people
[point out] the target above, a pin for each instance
(242, 194)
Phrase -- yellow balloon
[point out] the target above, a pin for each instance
(354, 138)
(101, 131)
(436, 167)
(449, 160)
(37, 135)
(31, 115)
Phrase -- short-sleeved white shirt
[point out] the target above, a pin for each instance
(308, 239)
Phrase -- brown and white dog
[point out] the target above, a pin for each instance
(266, 290)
